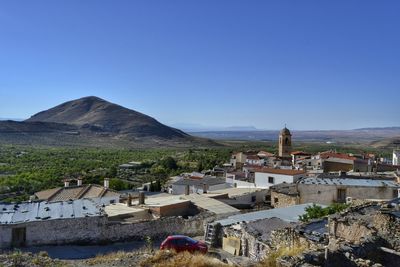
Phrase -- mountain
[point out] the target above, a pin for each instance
(101, 115)
(94, 121)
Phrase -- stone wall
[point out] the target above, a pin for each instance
(157, 229)
(93, 230)
(327, 194)
(256, 249)
(56, 232)
(279, 200)
(366, 234)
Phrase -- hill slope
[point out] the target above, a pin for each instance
(99, 115)
(92, 121)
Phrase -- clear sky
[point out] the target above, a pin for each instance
(310, 64)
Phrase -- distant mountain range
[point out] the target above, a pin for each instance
(94, 121)
(11, 119)
(378, 137)
(191, 127)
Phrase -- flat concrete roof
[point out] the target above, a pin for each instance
(234, 191)
(211, 204)
(161, 201)
(118, 209)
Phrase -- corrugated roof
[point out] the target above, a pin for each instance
(39, 211)
(288, 214)
(349, 182)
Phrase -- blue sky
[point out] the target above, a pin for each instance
(310, 64)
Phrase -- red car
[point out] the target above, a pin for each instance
(183, 243)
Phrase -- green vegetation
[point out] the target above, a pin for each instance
(316, 211)
(25, 170)
(271, 259)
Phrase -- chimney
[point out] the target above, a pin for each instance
(187, 190)
(66, 183)
(129, 201)
(79, 181)
(141, 198)
(106, 183)
(204, 188)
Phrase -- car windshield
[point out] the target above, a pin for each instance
(191, 240)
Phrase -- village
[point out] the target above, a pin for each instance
(246, 209)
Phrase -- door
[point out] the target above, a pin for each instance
(341, 195)
(18, 237)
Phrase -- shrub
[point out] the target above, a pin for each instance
(271, 258)
(316, 211)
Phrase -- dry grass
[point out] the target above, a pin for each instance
(120, 257)
(164, 258)
(17, 258)
(271, 258)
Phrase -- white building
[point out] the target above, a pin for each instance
(239, 180)
(198, 186)
(396, 157)
(267, 177)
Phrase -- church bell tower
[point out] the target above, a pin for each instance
(285, 143)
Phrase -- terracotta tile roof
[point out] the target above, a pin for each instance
(66, 194)
(280, 171)
(94, 191)
(45, 194)
(336, 155)
(75, 192)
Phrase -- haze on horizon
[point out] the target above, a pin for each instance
(309, 64)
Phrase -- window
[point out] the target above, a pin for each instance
(253, 198)
(191, 240)
(271, 180)
(181, 242)
(276, 200)
(112, 201)
(174, 242)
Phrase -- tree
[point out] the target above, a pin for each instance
(169, 163)
(118, 184)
